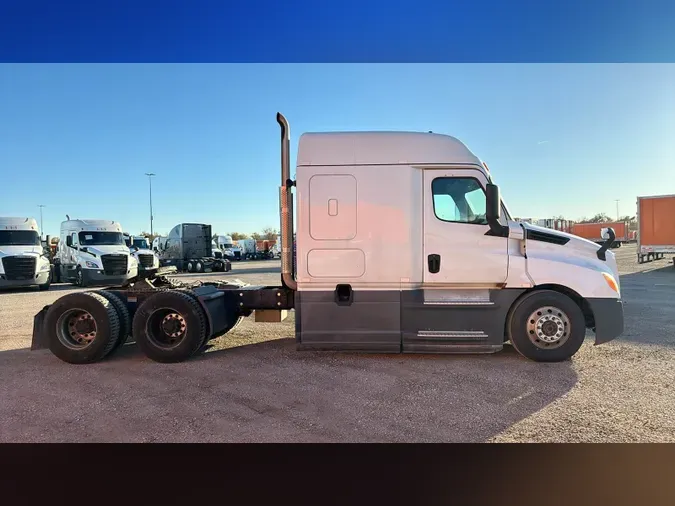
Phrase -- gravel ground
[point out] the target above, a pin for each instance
(253, 386)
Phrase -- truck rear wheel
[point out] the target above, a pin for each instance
(546, 326)
(170, 326)
(122, 313)
(81, 327)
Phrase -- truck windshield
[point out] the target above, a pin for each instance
(101, 238)
(19, 238)
(141, 243)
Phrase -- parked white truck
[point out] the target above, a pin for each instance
(148, 261)
(23, 262)
(93, 252)
(461, 277)
(227, 246)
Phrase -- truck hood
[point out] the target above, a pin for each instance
(107, 250)
(575, 242)
(579, 247)
(143, 251)
(6, 251)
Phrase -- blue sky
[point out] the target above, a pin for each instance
(560, 139)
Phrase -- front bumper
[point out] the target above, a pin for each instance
(97, 277)
(145, 272)
(608, 315)
(40, 279)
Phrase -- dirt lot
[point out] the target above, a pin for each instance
(253, 385)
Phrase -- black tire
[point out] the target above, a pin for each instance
(189, 266)
(122, 314)
(79, 278)
(199, 266)
(152, 339)
(45, 286)
(57, 325)
(566, 319)
(56, 272)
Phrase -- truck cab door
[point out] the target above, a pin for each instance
(459, 251)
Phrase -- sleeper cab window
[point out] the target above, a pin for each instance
(459, 200)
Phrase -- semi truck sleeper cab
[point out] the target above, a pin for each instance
(403, 245)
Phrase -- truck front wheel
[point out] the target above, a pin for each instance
(170, 327)
(546, 326)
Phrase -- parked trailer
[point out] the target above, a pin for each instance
(23, 260)
(248, 248)
(461, 277)
(189, 248)
(593, 232)
(656, 227)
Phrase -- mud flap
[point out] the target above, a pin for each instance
(39, 341)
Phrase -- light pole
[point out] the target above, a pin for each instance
(42, 230)
(150, 174)
(617, 209)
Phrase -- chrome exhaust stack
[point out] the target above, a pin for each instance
(286, 206)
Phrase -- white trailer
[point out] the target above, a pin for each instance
(276, 249)
(93, 252)
(248, 248)
(461, 277)
(23, 260)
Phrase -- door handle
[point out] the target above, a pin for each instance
(434, 263)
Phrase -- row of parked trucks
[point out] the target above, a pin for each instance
(98, 252)
(223, 246)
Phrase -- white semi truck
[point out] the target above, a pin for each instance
(93, 252)
(23, 261)
(463, 277)
(148, 260)
(227, 246)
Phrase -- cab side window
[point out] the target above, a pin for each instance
(459, 200)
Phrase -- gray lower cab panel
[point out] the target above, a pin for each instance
(412, 321)
(372, 322)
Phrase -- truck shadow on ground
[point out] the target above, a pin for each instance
(649, 306)
(269, 392)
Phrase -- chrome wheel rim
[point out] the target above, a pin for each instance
(548, 327)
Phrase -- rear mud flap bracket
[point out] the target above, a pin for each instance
(40, 341)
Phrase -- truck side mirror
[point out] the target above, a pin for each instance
(493, 211)
(493, 205)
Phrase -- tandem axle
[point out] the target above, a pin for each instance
(169, 321)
